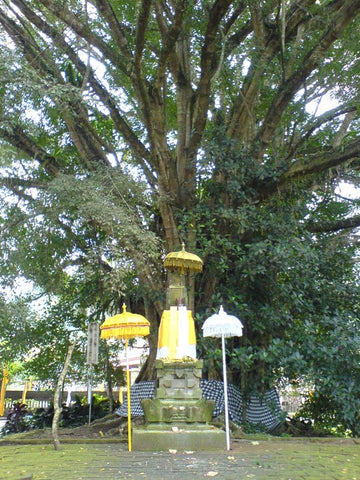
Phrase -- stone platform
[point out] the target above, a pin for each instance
(182, 438)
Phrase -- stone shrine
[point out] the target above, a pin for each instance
(178, 417)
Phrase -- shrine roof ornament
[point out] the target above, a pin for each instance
(183, 261)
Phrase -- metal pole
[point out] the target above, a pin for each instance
(128, 394)
(90, 391)
(227, 429)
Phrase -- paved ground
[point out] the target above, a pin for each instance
(282, 460)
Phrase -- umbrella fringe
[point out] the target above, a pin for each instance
(125, 331)
(219, 332)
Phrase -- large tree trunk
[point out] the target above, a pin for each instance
(109, 390)
(147, 371)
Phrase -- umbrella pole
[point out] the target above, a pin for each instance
(227, 429)
(128, 394)
(3, 391)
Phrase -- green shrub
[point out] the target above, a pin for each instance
(329, 415)
(19, 419)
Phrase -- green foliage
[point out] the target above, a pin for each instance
(326, 416)
(77, 414)
(16, 322)
(334, 359)
(16, 420)
(295, 292)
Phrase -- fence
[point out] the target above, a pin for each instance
(41, 399)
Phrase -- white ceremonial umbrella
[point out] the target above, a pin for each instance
(223, 325)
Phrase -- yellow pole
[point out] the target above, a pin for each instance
(128, 394)
(3, 390)
(120, 395)
(23, 398)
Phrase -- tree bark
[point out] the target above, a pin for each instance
(109, 389)
(57, 396)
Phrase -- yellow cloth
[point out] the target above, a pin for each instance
(172, 343)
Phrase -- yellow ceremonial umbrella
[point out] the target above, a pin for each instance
(183, 261)
(126, 325)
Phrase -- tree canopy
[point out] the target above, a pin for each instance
(129, 127)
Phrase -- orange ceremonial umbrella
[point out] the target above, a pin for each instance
(126, 325)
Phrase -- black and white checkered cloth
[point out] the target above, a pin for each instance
(262, 410)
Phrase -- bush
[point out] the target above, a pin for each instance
(329, 415)
(77, 414)
(16, 419)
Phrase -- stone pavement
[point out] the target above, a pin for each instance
(282, 460)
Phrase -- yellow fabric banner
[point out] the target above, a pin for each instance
(170, 327)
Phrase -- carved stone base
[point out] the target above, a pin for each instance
(178, 417)
(177, 411)
(180, 380)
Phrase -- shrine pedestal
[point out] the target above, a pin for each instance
(178, 417)
(164, 438)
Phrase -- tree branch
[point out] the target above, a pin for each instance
(89, 144)
(297, 15)
(238, 10)
(340, 134)
(319, 121)
(312, 165)
(169, 41)
(258, 23)
(142, 23)
(334, 225)
(117, 30)
(83, 31)
(32, 52)
(14, 182)
(20, 140)
(208, 64)
(140, 83)
(119, 121)
(321, 161)
(344, 16)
